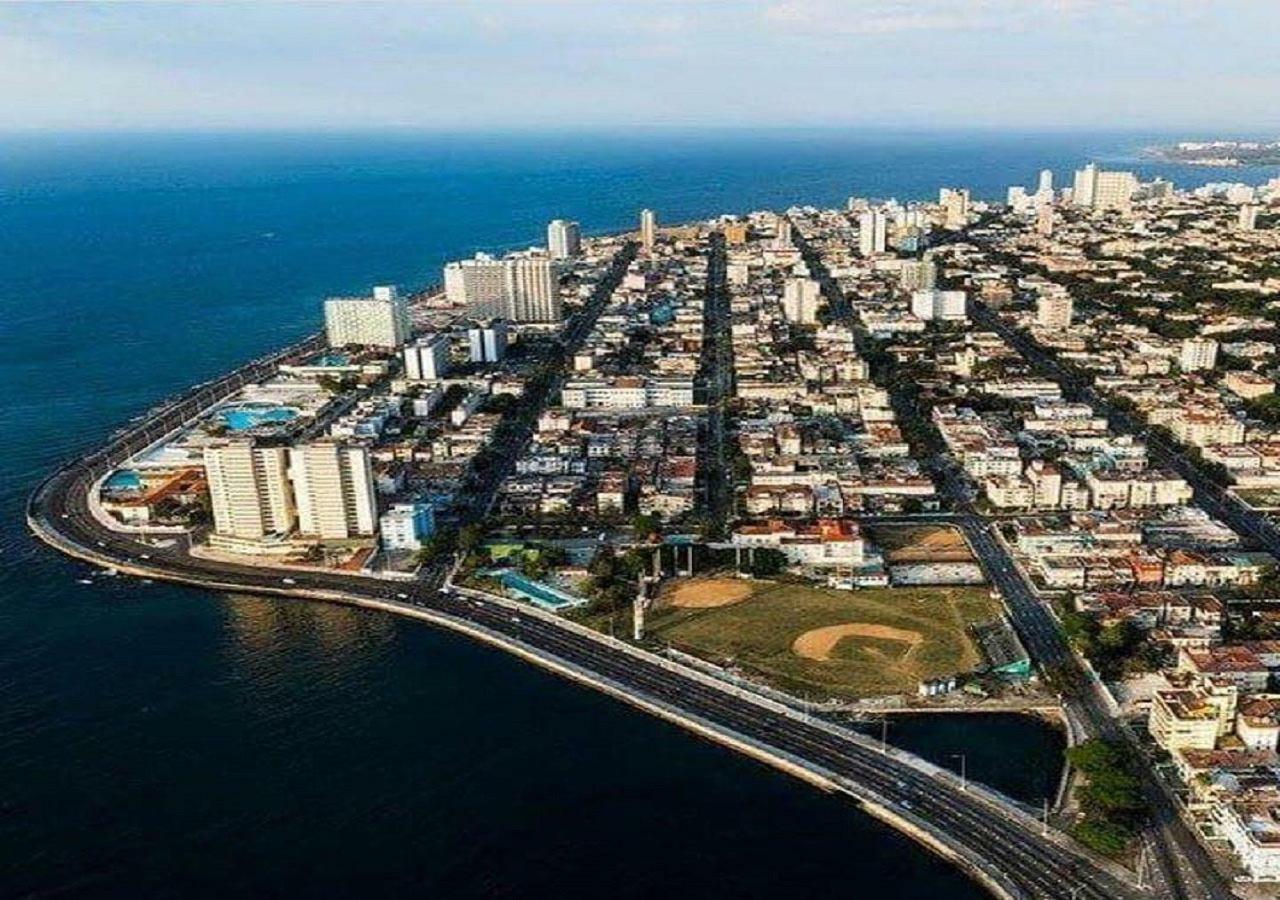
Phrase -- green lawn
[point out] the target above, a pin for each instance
(1260, 498)
(758, 634)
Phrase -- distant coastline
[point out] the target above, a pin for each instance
(1218, 153)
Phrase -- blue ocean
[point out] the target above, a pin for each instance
(161, 741)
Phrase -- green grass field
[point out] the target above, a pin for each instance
(1260, 498)
(926, 628)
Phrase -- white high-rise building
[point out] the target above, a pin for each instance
(378, 321)
(487, 343)
(333, 488)
(873, 232)
(800, 300)
(249, 489)
(648, 229)
(1241, 193)
(918, 274)
(1044, 220)
(940, 306)
(479, 284)
(783, 238)
(427, 359)
(564, 239)
(521, 288)
(1054, 310)
(1197, 354)
(910, 218)
(532, 290)
(407, 526)
(1084, 187)
(1095, 188)
(1045, 187)
(955, 207)
(1247, 219)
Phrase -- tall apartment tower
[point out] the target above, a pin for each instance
(249, 489)
(531, 290)
(1247, 220)
(955, 207)
(783, 239)
(378, 321)
(918, 274)
(936, 305)
(1085, 186)
(564, 239)
(648, 229)
(1044, 220)
(1198, 353)
(873, 232)
(1045, 187)
(1094, 188)
(487, 343)
(1054, 310)
(427, 359)
(800, 300)
(333, 488)
(478, 283)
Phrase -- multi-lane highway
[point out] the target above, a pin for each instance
(1184, 865)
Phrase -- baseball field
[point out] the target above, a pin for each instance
(825, 643)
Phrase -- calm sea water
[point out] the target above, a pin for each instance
(155, 740)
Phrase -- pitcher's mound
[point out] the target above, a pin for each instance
(706, 593)
(819, 642)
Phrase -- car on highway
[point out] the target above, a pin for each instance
(288, 581)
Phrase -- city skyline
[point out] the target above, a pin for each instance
(564, 65)
(787, 371)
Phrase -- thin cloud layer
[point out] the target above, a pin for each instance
(629, 64)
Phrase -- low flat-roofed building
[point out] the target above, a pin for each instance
(1253, 831)
(1258, 723)
(829, 542)
(1235, 664)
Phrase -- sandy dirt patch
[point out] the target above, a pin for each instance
(929, 543)
(707, 593)
(819, 642)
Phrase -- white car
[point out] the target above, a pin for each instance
(402, 596)
(288, 581)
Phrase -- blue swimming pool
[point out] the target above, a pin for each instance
(542, 594)
(248, 416)
(124, 480)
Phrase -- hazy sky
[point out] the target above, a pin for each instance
(1188, 64)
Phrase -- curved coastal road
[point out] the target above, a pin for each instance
(1000, 846)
